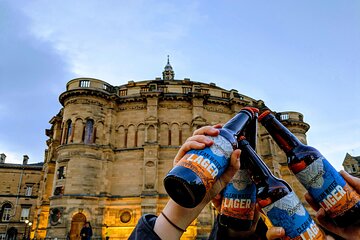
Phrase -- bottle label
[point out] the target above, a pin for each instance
(239, 197)
(209, 163)
(328, 187)
(289, 213)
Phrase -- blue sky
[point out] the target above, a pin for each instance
(295, 55)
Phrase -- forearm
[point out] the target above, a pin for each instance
(180, 216)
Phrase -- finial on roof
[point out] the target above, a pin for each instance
(168, 73)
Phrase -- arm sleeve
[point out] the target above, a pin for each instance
(144, 229)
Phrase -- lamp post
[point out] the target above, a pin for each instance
(26, 223)
(29, 232)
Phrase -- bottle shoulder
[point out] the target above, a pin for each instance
(301, 157)
(271, 190)
(229, 135)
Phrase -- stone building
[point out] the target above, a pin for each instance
(19, 188)
(110, 147)
(351, 165)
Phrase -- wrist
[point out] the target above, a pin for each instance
(174, 214)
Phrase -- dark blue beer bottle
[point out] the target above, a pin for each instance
(190, 179)
(278, 201)
(329, 189)
(239, 196)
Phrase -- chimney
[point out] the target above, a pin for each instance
(25, 159)
(2, 158)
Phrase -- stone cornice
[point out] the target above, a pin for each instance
(84, 92)
(299, 124)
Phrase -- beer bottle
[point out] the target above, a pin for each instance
(329, 189)
(239, 196)
(278, 201)
(190, 179)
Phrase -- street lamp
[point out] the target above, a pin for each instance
(30, 224)
(27, 234)
(26, 223)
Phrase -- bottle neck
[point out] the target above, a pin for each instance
(238, 123)
(258, 169)
(269, 187)
(286, 140)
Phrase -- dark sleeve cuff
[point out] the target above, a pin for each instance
(145, 228)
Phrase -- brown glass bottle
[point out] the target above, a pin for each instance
(239, 196)
(190, 179)
(278, 200)
(329, 189)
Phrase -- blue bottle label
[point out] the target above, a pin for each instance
(289, 213)
(328, 187)
(209, 163)
(239, 197)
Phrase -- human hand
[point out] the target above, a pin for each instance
(180, 216)
(199, 140)
(275, 232)
(279, 232)
(350, 232)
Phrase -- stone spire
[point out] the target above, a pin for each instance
(168, 73)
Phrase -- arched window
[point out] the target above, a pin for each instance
(89, 132)
(5, 212)
(68, 131)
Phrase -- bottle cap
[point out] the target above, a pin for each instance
(242, 137)
(253, 110)
(264, 114)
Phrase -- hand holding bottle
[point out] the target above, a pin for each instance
(350, 232)
(181, 216)
(196, 172)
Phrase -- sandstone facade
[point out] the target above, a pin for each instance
(110, 147)
(19, 191)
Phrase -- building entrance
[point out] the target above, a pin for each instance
(77, 223)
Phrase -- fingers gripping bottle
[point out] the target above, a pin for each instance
(190, 179)
(278, 200)
(329, 189)
(239, 196)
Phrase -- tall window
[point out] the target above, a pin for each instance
(68, 131)
(59, 191)
(6, 212)
(89, 129)
(61, 172)
(28, 191)
(25, 212)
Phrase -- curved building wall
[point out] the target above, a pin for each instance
(113, 145)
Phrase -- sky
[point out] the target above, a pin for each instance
(301, 56)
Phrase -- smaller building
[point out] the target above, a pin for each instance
(19, 190)
(351, 165)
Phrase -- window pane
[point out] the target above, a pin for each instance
(25, 214)
(89, 131)
(61, 172)
(6, 214)
(28, 191)
(68, 131)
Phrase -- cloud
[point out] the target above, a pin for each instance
(98, 38)
(32, 74)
